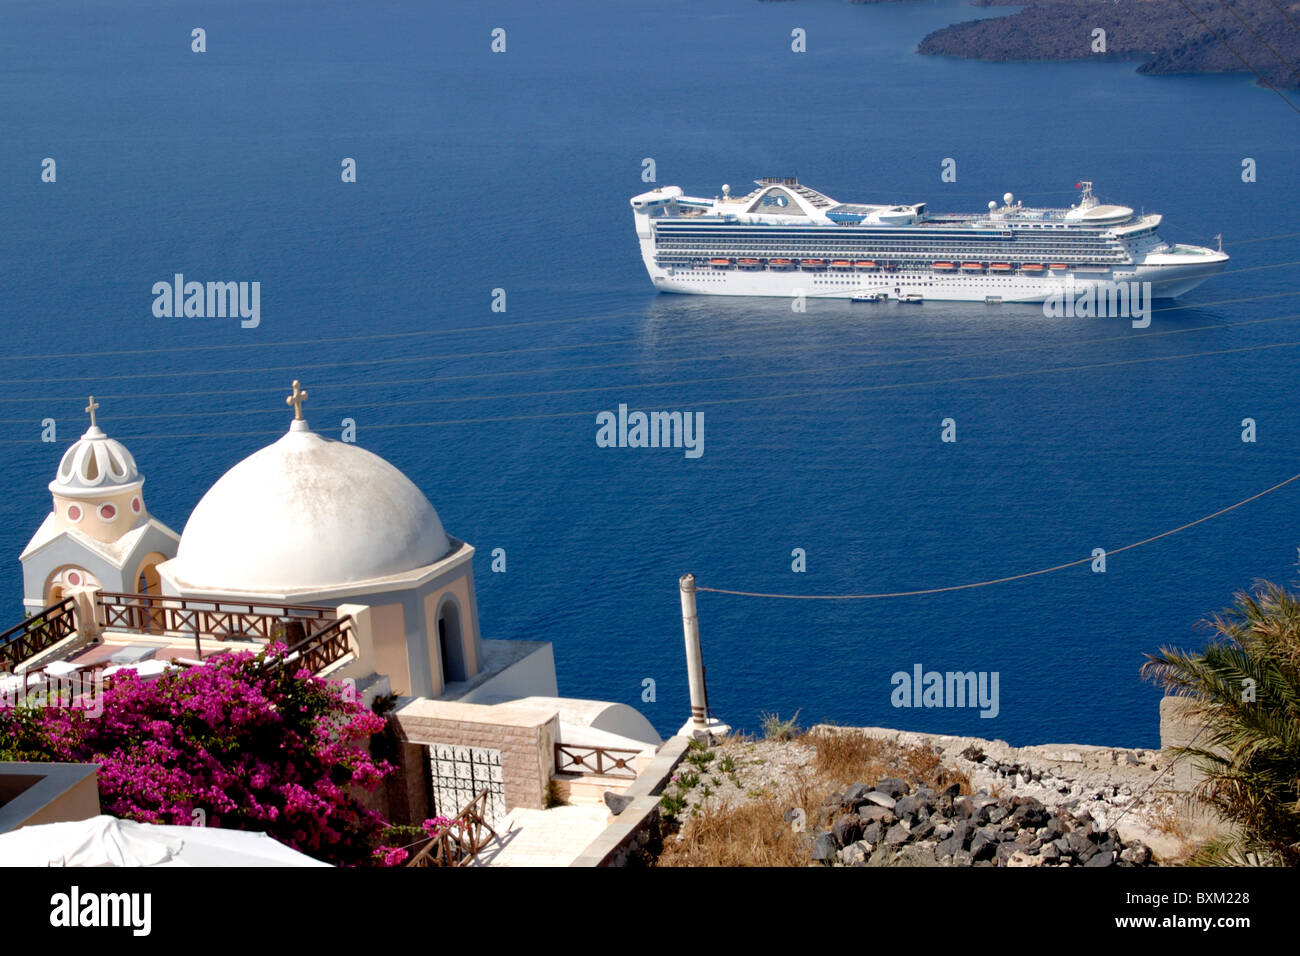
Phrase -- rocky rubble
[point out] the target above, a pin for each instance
(892, 825)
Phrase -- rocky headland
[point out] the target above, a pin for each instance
(1166, 35)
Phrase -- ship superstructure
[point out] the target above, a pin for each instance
(785, 239)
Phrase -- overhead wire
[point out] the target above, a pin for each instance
(1006, 578)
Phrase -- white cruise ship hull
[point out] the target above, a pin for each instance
(1167, 282)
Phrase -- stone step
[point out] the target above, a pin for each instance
(588, 789)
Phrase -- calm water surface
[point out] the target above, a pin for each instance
(479, 171)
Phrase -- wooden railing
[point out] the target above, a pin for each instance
(42, 630)
(457, 844)
(216, 619)
(319, 650)
(609, 761)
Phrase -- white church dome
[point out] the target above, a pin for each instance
(94, 465)
(307, 512)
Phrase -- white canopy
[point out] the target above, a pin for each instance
(109, 841)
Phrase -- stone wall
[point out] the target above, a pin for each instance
(636, 828)
(1178, 729)
(525, 737)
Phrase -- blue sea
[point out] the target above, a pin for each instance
(479, 171)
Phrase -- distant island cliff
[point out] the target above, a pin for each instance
(1168, 36)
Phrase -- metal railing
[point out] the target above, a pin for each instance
(607, 761)
(42, 630)
(457, 844)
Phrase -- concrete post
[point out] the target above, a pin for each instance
(85, 612)
(694, 657)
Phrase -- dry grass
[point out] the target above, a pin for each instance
(752, 834)
(755, 833)
(845, 757)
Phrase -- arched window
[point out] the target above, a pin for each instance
(62, 579)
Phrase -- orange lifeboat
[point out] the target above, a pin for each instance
(813, 263)
(865, 264)
(1032, 267)
(780, 263)
(972, 267)
(1058, 266)
(749, 263)
(841, 264)
(720, 263)
(1000, 267)
(943, 266)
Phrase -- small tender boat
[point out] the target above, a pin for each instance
(911, 298)
(871, 297)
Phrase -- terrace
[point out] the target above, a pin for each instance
(94, 630)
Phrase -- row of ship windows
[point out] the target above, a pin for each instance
(895, 279)
(705, 235)
(881, 235)
(699, 263)
(1077, 255)
(893, 260)
(947, 280)
(689, 242)
(862, 232)
(985, 251)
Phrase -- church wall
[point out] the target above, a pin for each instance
(532, 676)
(438, 675)
(66, 550)
(457, 579)
(148, 568)
(474, 646)
(402, 633)
(388, 630)
(426, 679)
(435, 605)
(91, 523)
(363, 634)
(61, 553)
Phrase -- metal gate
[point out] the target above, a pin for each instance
(458, 774)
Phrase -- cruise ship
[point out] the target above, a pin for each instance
(786, 239)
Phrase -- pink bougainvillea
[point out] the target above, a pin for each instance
(252, 750)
